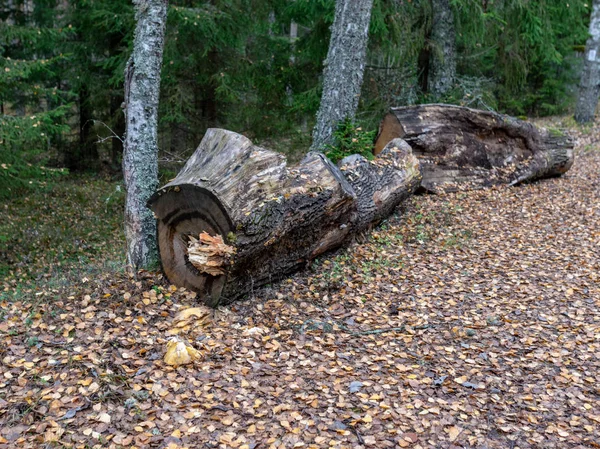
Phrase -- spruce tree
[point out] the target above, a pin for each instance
(34, 103)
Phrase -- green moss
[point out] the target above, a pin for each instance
(555, 132)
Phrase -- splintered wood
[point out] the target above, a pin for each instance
(209, 254)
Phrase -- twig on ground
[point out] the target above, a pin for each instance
(392, 329)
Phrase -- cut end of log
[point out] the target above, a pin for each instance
(389, 129)
(184, 212)
(209, 254)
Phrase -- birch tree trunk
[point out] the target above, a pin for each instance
(442, 55)
(344, 68)
(140, 157)
(589, 86)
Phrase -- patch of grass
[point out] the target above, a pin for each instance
(332, 270)
(54, 238)
(458, 238)
(380, 264)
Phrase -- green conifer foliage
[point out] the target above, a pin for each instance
(34, 105)
(524, 49)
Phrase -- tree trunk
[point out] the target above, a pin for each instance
(589, 85)
(461, 148)
(272, 219)
(344, 68)
(116, 114)
(88, 152)
(140, 157)
(442, 54)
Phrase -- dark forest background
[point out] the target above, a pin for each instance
(255, 67)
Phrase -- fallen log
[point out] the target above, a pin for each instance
(236, 217)
(461, 148)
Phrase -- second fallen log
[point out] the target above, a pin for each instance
(236, 217)
(461, 148)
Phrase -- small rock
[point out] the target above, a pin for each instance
(355, 386)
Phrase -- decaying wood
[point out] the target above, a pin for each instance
(272, 219)
(209, 254)
(462, 148)
(381, 184)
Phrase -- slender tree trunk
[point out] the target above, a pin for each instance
(442, 55)
(589, 86)
(344, 68)
(87, 153)
(119, 128)
(140, 157)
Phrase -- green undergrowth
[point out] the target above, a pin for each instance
(350, 138)
(56, 237)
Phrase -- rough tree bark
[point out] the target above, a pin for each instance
(589, 85)
(140, 157)
(442, 54)
(264, 220)
(344, 68)
(461, 148)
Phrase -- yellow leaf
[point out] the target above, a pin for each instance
(227, 420)
(461, 380)
(179, 354)
(454, 432)
(198, 312)
(192, 352)
(104, 417)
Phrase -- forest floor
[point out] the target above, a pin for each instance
(469, 320)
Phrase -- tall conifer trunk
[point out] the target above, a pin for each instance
(344, 68)
(140, 157)
(442, 54)
(589, 86)
(87, 154)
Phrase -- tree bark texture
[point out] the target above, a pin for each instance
(272, 219)
(344, 68)
(589, 85)
(461, 148)
(442, 53)
(140, 157)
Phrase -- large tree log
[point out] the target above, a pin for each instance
(461, 148)
(236, 217)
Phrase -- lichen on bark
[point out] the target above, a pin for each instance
(589, 85)
(344, 68)
(140, 156)
(442, 60)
